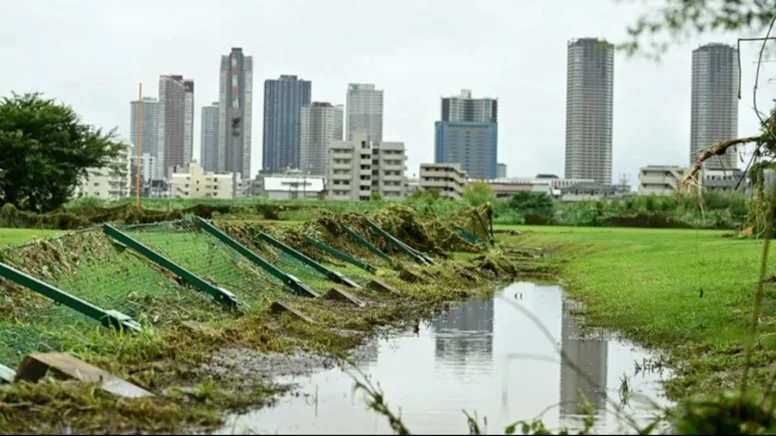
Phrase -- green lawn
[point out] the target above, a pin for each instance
(647, 283)
(20, 236)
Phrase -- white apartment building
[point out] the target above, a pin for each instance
(111, 182)
(660, 179)
(449, 179)
(359, 167)
(147, 166)
(289, 187)
(195, 182)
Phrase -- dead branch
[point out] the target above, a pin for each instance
(718, 149)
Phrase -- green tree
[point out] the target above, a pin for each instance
(44, 151)
(676, 21)
(478, 193)
(536, 203)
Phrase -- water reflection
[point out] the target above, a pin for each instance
(473, 358)
(465, 334)
(590, 357)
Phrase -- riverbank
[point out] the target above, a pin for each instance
(198, 370)
(686, 292)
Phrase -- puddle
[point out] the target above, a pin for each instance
(484, 356)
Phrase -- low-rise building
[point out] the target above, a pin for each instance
(593, 191)
(549, 184)
(194, 182)
(111, 182)
(719, 180)
(358, 169)
(288, 186)
(449, 179)
(660, 179)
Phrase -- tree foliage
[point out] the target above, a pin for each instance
(536, 203)
(674, 21)
(478, 193)
(45, 149)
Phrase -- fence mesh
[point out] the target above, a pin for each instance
(89, 266)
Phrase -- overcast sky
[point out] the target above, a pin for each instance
(92, 55)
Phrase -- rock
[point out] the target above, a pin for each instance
(277, 307)
(342, 295)
(63, 366)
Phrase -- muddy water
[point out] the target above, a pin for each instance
(484, 356)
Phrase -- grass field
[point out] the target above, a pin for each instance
(687, 292)
(20, 236)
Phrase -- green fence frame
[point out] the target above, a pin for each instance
(220, 295)
(339, 254)
(108, 318)
(333, 276)
(400, 245)
(368, 245)
(291, 282)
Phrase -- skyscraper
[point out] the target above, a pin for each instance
(714, 110)
(321, 124)
(235, 118)
(283, 101)
(175, 123)
(209, 138)
(467, 134)
(149, 131)
(589, 110)
(365, 111)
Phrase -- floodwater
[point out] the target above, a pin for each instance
(485, 357)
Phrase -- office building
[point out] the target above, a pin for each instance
(714, 116)
(501, 171)
(467, 134)
(321, 124)
(283, 102)
(358, 168)
(208, 152)
(589, 110)
(365, 111)
(149, 125)
(175, 123)
(236, 114)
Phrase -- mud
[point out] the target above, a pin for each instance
(247, 364)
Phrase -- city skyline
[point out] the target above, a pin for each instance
(651, 125)
(590, 77)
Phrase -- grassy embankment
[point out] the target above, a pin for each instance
(687, 292)
(171, 359)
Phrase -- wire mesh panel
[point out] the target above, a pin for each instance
(89, 266)
(186, 245)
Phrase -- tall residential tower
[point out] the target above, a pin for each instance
(175, 124)
(589, 110)
(467, 134)
(321, 124)
(208, 153)
(149, 132)
(283, 102)
(365, 111)
(714, 110)
(235, 116)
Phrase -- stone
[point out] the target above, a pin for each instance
(278, 307)
(7, 375)
(64, 366)
(381, 286)
(342, 295)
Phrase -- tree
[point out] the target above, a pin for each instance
(45, 150)
(478, 193)
(677, 20)
(536, 203)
